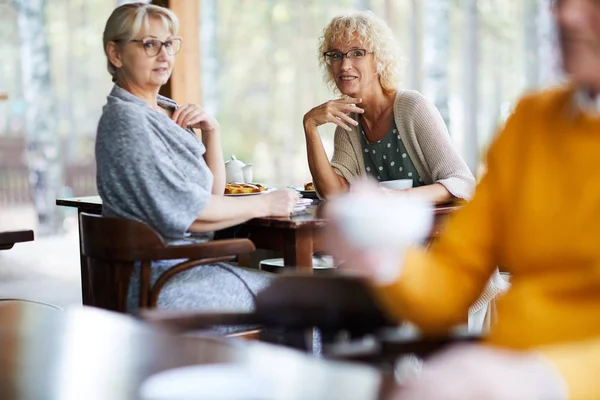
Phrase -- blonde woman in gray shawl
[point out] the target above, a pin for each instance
(383, 131)
(162, 164)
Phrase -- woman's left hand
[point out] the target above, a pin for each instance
(193, 116)
(474, 372)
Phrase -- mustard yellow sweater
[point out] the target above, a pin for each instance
(536, 213)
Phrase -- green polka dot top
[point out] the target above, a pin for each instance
(387, 159)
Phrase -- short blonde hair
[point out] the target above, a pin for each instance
(127, 20)
(376, 36)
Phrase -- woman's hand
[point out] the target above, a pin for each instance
(193, 116)
(280, 203)
(474, 372)
(335, 111)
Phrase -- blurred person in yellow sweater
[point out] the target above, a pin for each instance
(536, 213)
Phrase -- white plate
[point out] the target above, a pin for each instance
(250, 194)
(299, 208)
(304, 202)
(325, 262)
(207, 382)
(243, 194)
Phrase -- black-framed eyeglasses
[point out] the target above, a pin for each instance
(153, 47)
(335, 57)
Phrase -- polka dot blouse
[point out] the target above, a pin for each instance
(387, 159)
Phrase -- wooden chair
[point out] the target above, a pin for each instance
(113, 245)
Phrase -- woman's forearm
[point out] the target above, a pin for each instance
(328, 183)
(214, 159)
(436, 193)
(222, 212)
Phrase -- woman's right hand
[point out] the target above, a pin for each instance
(335, 111)
(280, 203)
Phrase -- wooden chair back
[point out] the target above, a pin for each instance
(112, 247)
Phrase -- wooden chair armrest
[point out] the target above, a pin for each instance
(183, 320)
(174, 270)
(195, 251)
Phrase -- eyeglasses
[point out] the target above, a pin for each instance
(153, 47)
(336, 57)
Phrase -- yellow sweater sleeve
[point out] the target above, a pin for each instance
(579, 365)
(436, 288)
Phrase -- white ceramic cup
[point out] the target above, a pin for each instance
(398, 184)
(247, 171)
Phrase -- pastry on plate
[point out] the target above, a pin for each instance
(309, 186)
(243, 188)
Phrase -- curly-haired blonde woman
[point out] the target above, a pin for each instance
(383, 131)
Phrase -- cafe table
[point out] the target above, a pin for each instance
(9, 238)
(297, 236)
(88, 353)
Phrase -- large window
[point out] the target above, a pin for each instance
(260, 74)
(473, 58)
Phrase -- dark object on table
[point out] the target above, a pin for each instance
(385, 349)
(330, 303)
(290, 306)
(8, 239)
(309, 194)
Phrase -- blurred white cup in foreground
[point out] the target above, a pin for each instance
(372, 222)
(375, 231)
(397, 184)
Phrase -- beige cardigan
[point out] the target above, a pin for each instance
(426, 139)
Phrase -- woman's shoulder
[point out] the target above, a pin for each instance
(121, 113)
(411, 106)
(119, 101)
(410, 100)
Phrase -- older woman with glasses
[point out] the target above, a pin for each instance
(383, 131)
(155, 168)
(528, 215)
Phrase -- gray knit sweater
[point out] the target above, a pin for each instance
(149, 168)
(426, 138)
(153, 171)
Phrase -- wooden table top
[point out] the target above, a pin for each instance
(88, 353)
(311, 217)
(8, 239)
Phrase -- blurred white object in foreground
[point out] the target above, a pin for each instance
(375, 229)
(371, 221)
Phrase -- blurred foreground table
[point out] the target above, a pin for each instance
(87, 353)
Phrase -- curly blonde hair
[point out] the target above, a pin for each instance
(376, 36)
